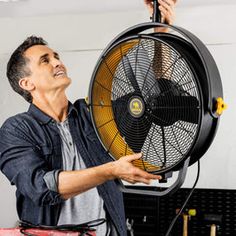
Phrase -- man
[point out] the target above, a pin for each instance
(51, 153)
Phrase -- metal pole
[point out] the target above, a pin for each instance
(156, 17)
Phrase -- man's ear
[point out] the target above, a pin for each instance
(26, 84)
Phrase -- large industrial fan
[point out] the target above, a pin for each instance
(159, 94)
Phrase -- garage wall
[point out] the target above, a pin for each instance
(79, 39)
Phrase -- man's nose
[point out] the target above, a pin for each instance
(56, 62)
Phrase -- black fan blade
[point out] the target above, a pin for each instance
(133, 130)
(130, 74)
(173, 104)
(168, 110)
(139, 70)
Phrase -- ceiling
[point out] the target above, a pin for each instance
(56, 7)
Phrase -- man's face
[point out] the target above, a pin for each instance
(48, 74)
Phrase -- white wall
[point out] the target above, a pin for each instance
(80, 39)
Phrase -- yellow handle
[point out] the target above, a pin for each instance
(213, 230)
(185, 225)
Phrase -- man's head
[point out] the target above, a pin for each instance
(17, 66)
(34, 70)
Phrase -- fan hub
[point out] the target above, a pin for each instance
(136, 106)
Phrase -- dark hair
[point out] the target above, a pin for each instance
(17, 65)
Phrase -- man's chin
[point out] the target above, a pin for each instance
(67, 81)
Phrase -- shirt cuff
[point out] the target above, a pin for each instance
(51, 180)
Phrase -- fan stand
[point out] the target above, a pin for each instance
(169, 190)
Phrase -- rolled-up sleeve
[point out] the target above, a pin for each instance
(51, 180)
(24, 165)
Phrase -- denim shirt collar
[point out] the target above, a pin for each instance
(43, 118)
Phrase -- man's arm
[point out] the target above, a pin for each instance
(22, 163)
(72, 183)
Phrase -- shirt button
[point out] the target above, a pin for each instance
(70, 143)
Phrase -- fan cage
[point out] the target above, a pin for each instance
(166, 144)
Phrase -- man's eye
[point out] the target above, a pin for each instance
(45, 60)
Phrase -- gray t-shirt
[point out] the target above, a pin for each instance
(86, 206)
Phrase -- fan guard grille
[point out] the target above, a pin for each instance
(146, 70)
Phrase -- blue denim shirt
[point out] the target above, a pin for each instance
(30, 146)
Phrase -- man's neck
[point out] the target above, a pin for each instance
(55, 108)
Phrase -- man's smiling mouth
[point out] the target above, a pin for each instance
(60, 73)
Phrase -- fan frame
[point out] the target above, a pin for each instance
(196, 81)
(208, 98)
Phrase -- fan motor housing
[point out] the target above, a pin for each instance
(136, 106)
